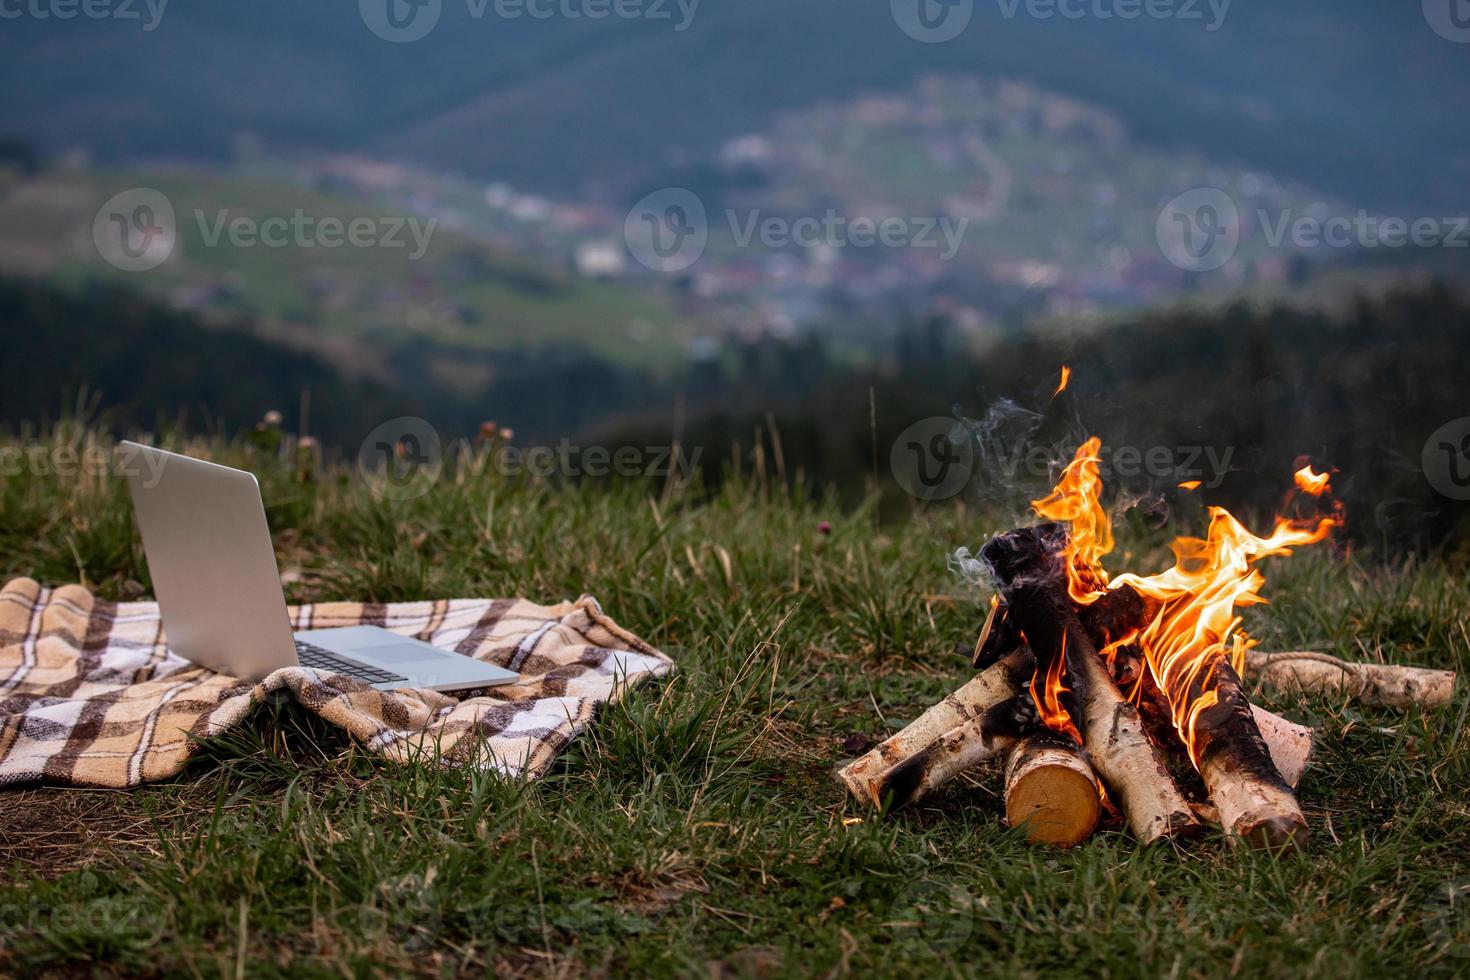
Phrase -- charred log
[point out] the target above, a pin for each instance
(988, 736)
(1254, 801)
(1113, 616)
(1027, 564)
(998, 683)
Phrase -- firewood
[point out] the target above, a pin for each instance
(1254, 801)
(1382, 685)
(1050, 790)
(991, 735)
(962, 747)
(997, 683)
(1027, 565)
(1120, 611)
(1289, 744)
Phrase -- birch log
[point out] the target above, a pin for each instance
(1289, 744)
(997, 683)
(962, 747)
(1254, 800)
(1382, 685)
(1051, 791)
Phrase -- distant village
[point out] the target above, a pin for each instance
(1056, 205)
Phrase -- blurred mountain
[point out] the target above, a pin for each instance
(1361, 98)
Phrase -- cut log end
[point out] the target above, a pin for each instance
(1277, 833)
(1260, 811)
(1051, 792)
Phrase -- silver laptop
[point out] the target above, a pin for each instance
(219, 591)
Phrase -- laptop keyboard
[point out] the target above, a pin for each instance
(310, 655)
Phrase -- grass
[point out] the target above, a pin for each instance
(697, 829)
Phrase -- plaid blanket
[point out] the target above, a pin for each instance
(91, 696)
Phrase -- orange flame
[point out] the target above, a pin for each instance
(1197, 626)
(1077, 499)
(1066, 379)
(1310, 482)
(1190, 485)
(1049, 703)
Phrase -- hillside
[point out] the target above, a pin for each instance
(558, 102)
(414, 284)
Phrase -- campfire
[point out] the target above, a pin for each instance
(1124, 693)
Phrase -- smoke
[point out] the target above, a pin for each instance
(962, 562)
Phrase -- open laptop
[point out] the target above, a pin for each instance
(219, 590)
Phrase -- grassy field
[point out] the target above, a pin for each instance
(697, 828)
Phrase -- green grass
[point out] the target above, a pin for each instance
(697, 829)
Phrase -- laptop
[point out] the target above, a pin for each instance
(219, 590)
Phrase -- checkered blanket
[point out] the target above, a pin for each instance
(91, 696)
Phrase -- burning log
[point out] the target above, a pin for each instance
(1381, 685)
(1051, 791)
(1289, 744)
(1254, 800)
(867, 777)
(1117, 613)
(1028, 566)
